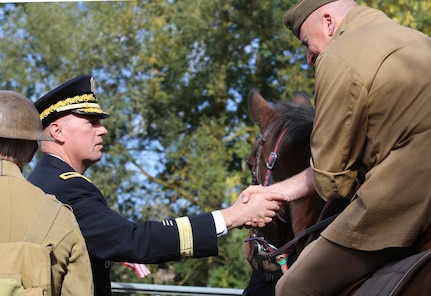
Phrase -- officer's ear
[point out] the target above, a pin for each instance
(55, 130)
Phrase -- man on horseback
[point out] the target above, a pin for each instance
(373, 123)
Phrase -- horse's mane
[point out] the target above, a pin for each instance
(298, 120)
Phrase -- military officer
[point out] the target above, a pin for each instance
(25, 211)
(72, 116)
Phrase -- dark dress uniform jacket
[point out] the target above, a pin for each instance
(110, 236)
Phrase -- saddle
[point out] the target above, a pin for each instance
(410, 276)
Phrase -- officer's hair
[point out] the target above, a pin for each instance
(19, 151)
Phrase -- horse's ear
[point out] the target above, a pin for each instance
(261, 112)
(301, 99)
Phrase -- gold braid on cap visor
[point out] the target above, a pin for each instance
(77, 102)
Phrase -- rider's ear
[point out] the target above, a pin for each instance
(329, 23)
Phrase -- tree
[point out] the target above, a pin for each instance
(175, 76)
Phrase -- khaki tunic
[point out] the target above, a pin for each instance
(19, 204)
(373, 114)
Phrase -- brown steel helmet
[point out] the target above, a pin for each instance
(19, 118)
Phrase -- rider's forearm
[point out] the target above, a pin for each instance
(297, 186)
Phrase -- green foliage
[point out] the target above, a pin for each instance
(175, 77)
(410, 13)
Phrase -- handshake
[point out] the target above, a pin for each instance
(255, 207)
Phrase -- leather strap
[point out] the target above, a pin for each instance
(43, 221)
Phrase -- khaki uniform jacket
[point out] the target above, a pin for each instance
(373, 114)
(19, 204)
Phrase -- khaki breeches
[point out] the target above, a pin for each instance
(325, 268)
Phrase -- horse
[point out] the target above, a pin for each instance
(281, 151)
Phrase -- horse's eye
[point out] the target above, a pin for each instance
(250, 166)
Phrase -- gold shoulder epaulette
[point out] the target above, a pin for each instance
(68, 175)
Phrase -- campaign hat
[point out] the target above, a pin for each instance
(298, 13)
(77, 95)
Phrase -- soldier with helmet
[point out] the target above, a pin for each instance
(22, 206)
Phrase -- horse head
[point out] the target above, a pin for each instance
(281, 151)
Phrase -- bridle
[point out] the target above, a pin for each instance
(264, 247)
(281, 254)
(271, 158)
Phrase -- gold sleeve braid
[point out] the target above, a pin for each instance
(186, 237)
